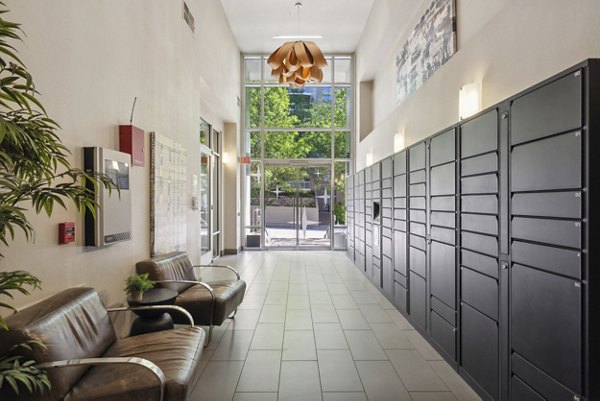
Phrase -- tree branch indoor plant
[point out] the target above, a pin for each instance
(35, 173)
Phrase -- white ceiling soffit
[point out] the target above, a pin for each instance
(255, 22)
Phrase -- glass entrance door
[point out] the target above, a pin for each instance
(204, 206)
(297, 206)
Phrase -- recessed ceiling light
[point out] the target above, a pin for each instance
(299, 37)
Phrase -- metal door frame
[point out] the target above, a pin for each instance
(305, 163)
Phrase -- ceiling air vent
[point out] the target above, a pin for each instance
(188, 17)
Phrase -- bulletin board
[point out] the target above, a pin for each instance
(167, 186)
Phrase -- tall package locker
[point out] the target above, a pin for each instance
(554, 177)
(417, 251)
(494, 229)
(480, 252)
(400, 232)
(350, 217)
(387, 238)
(443, 245)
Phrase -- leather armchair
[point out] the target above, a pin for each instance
(85, 360)
(210, 303)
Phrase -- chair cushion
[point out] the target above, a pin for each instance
(73, 324)
(197, 301)
(176, 352)
(172, 266)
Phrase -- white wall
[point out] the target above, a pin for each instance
(508, 44)
(89, 60)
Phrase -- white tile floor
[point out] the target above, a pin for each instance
(313, 328)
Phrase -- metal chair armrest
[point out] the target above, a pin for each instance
(151, 307)
(208, 287)
(202, 267)
(152, 367)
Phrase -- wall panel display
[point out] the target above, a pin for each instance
(486, 241)
(167, 185)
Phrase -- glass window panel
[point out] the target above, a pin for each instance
(252, 142)
(268, 77)
(297, 145)
(343, 69)
(343, 144)
(343, 107)
(205, 161)
(252, 69)
(254, 218)
(252, 107)
(216, 177)
(308, 107)
(216, 141)
(327, 71)
(204, 132)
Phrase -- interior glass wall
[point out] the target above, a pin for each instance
(307, 130)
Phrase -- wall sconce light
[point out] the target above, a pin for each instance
(369, 158)
(398, 142)
(469, 100)
(226, 159)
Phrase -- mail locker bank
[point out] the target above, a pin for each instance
(484, 235)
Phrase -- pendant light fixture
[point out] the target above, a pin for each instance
(299, 62)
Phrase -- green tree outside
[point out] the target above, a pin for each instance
(288, 108)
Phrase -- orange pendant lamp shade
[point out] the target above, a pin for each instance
(297, 63)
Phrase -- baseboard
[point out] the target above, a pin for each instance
(231, 251)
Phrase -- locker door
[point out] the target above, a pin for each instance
(480, 252)
(417, 239)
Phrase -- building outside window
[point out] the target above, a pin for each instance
(300, 144)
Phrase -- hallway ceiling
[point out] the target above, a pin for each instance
(255, 22)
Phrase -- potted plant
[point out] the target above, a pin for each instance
(15, 368)
(35, 173)
(136, 285)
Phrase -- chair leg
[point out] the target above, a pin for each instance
(209, 336)
(234, 313)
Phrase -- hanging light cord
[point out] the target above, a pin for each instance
(298, 6)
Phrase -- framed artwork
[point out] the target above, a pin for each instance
(429, 46)
(168, 223)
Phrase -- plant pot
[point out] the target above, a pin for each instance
(137, 296)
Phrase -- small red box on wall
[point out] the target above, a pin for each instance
(131, 140)
(66, 233)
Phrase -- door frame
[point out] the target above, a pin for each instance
(206, 256)
(305, 163)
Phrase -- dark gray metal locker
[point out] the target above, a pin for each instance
(546, 320)
(479, 349)
(480, 233)
(512, 196)
(418, 300)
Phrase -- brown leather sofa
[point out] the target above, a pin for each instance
(85, 360)
(209, 303)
